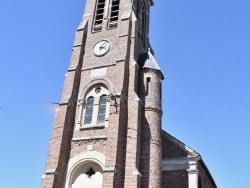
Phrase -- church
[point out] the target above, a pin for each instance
(107, 131)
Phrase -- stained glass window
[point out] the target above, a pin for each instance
(102, 109)
(89, 110)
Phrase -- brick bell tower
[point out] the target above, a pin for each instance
(107, 130)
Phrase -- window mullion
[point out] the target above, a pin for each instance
(95, 110)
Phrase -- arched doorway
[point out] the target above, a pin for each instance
(87, 175)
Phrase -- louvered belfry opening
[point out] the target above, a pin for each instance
(114, 10)
(99, 12)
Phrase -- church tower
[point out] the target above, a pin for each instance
(107, 130)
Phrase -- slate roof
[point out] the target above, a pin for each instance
(147, 60)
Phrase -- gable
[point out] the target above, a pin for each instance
(170, 150)
(173, 148)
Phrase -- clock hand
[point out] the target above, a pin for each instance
(103, 44)
(106, 46)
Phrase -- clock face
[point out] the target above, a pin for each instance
(101, 48)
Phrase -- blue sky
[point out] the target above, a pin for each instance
(202, 47)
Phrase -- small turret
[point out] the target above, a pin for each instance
(150, 77)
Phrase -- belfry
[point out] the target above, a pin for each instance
(107, 131)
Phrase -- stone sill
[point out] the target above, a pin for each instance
(97, 126)
(113, 24)
(97, 28)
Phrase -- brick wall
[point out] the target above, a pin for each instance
(175, 179)
(170, 150)
(151, 145)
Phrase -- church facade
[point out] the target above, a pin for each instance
(107, 131)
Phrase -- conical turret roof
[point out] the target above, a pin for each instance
(147, 60)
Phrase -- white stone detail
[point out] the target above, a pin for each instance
(109, 169)
(126, 15)
(81, 178)
(98, 72)
(193, 174)
(89, 147)
(89, 138)
(175, 164)
(137, 173)
(82, 160)
(50, 171)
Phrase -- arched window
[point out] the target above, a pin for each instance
(89, 110)
(94, 110)
(102, 109)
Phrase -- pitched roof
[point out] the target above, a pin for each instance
(181, 145)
